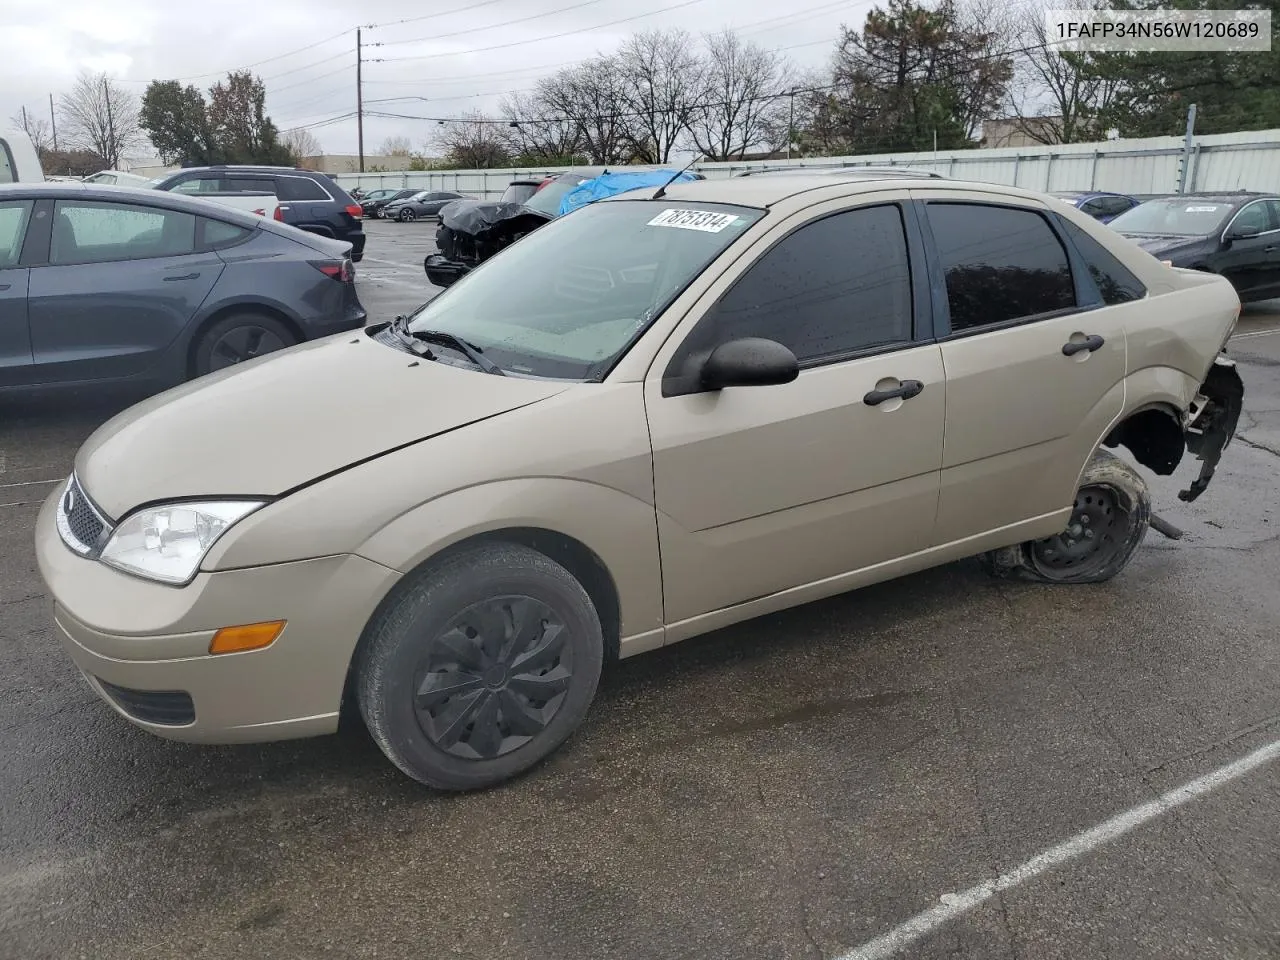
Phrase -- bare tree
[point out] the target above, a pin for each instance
(37, 128)
(302, 143)
(543, 129)
(396, 147)
(476, 142)
(661, 76)
(1057, 96)
(592, 93)
(745, 99)
(101, 116)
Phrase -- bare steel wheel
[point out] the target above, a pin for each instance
(1095, 533)
(479, 666)
(1109, 518)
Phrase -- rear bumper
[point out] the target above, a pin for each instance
(1212, 421)
(442, 271)
(357, 245)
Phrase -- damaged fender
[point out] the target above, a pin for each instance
(1158, 439)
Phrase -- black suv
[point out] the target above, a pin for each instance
(309, 200)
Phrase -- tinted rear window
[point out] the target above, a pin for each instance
(1114, 281)
(299, 188)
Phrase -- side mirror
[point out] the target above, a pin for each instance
(749, 362)
(1242, 232)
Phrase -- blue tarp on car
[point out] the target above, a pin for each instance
(611, 184)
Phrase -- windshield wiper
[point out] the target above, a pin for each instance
(467, 349)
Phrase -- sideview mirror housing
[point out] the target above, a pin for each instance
(749, 362)
(1242, 233)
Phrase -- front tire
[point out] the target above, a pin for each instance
(237, 338)
(406, 216)
(480, 668)
(1109, 519)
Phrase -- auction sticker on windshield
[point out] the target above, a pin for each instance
(703, 220)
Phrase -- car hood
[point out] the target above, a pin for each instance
(1163, 245)
(270, 425)
(482, 218)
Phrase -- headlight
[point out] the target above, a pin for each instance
(168, 542)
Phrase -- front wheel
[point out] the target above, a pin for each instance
(406, 215)
(480, 668)
(1110, 517)
(381, 214)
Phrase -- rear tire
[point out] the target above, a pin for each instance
(1111, 516)
(480, 668)
(237, 338)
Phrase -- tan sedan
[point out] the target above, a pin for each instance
(652, 418)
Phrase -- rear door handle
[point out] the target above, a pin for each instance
(5, 286)
(184, 276)
(905, 391)
(1090, 343)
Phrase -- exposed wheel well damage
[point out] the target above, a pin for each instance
(1154, 437)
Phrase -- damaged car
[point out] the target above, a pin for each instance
(675, 410)
(472, 232)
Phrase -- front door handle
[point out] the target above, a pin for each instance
(185, 276)
(1090, 343)
(905, 391)
(5, 286)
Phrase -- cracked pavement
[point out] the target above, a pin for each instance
(788, 788)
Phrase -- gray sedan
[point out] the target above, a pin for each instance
(117, 284)
(427, 203)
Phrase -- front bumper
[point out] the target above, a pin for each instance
(150, 642)
(1212, 421)
(442, 271)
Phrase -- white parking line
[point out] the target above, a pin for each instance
(1256, 333)
(30, 483)
(953, 905)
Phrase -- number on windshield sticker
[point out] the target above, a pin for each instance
(703, 220)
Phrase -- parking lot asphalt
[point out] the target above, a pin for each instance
(796, 787)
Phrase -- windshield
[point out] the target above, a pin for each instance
(567, 300)
(1178, 218)
(547, 200)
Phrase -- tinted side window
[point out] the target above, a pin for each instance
(1001, 263)
(207, 184)
(216, 234)
(95, 231)
(14, 215)
(1113, 206)
(835, 286)
(1114, 280)
(299, 188)
(251, 184)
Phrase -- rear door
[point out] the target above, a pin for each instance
(120, 283)
(15, 337)
(1035, 363)
(307, 204)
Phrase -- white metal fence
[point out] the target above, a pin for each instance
(1249, 160)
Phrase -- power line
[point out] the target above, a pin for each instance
(493, 26)
(432, 16)
(250, 66)
(554, 36)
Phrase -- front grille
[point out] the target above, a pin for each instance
(81, 526)
(172, 708)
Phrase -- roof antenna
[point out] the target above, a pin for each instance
(662, 190)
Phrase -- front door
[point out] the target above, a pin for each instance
(1035, 370)
(121, 283)
(1252, 264)
(15, 337)
(760, 489)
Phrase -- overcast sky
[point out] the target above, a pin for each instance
(140, 40)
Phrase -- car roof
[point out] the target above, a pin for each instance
(849, 172)
(764, 192)
(154, 198)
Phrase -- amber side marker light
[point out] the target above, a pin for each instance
(250, 636)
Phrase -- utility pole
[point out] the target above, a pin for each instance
(26, 127)
(53, 121)
(359, 102)
(1185, 170)
(109, 141)
(791, 122)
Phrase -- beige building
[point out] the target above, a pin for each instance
(1014, 131)
(350, 163)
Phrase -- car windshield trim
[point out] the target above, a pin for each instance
(567, 301)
